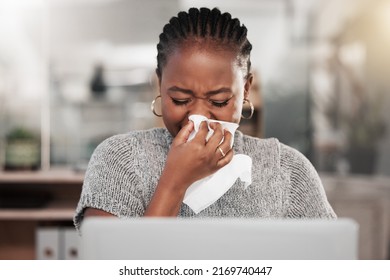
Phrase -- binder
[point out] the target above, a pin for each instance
(57, 243)
(71, 240)
(47, 241)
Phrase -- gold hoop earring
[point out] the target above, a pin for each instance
(152, 106)
(252, 109)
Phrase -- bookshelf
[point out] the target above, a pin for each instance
(55, 193)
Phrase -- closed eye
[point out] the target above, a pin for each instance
(180, 102)
(218, 103)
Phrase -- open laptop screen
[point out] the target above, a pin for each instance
(222, 239)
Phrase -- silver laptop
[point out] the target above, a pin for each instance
(218, 239)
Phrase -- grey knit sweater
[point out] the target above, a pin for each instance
(124, 171)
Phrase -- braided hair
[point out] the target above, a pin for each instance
(203, 25)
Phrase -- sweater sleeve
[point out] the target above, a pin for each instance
(111, 180)
(306, 196)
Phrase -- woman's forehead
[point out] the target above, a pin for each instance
(201, 62)
(201, 70)
(202, 56)
(204, 53)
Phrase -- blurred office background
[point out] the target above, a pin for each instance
(74, 72)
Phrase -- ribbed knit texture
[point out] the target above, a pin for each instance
(124, 171)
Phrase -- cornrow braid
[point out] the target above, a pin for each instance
(204, 24)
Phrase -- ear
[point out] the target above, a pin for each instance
(158, 75)
(248, 84)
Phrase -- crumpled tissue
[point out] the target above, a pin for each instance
(203, 193)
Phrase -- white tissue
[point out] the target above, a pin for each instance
(197, 119)
(206, 191)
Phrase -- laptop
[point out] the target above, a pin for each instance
(218, 239)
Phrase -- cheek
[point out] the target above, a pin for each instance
(172, 114)
(237, 106)
(237, 109)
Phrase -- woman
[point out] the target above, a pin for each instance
(203, 68)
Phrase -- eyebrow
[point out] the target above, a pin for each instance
(183, 90)
(188, 91)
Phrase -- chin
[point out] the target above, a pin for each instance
(174, 131)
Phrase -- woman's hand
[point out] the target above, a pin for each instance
(188, 162)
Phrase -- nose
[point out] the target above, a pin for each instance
(198, 107)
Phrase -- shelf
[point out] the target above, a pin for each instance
(55, 176)
(18, 226)
(55, 211)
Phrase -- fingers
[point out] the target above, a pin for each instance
(221, 151)
(202, 133)
(217, 148)
(224, 148)
(217, 136)
(226, 159)
(184, 133)
(219, 144)
(228, 138)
